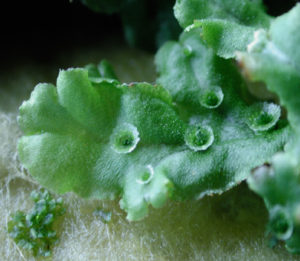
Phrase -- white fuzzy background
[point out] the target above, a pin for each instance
(227, 227)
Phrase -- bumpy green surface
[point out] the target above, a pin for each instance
(101, 139)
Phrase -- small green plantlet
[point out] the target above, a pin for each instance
(34, 231)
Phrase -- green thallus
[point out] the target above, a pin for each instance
(102, 139)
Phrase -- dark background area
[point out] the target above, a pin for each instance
(37, 30)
